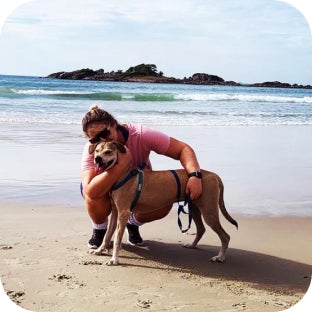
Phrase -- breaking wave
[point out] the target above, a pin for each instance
(154, 97)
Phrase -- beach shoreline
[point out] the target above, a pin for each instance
(44, 259)
(265, 170)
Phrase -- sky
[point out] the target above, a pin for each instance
(245, 41)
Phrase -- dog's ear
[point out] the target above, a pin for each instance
(121, 148)
(92, 148)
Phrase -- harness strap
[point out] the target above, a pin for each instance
(138, 190)
(178, 183)
(187, 201)
(131, 174)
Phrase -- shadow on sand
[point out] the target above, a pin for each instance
(266, 271)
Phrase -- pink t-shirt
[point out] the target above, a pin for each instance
(141, 141)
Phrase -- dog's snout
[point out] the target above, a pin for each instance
(98, 159)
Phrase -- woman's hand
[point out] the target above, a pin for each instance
(194, 187)
(124, 159)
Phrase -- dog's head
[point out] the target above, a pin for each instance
(106, 153)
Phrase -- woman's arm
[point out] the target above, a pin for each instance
(98, 185)
(181, 151)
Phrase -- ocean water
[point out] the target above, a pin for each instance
(32, 100)
(258, 139)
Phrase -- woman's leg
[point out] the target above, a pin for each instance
(98, 210)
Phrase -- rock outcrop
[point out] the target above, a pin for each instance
(148, 73)
(139, 73)
(277, 84)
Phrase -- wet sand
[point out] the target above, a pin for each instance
(45, 265)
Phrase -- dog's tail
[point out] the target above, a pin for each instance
(222, 205)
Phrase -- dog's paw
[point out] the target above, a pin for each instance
(97, 252)
(217, 259)
(112, 261)
(189, 246)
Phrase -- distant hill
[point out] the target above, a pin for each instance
(149, 73)
(139, 73)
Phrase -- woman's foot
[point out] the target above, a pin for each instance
(134, 237)
(96, 239)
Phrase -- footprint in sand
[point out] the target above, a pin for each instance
(144, 303)
(16, 296)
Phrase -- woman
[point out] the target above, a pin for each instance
(99, 125)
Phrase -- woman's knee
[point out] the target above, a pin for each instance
(98, 209)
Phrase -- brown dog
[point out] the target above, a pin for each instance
(159, 189)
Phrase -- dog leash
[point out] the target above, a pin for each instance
(187, 201)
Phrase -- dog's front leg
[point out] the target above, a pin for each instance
(121, 225)
(110, 231)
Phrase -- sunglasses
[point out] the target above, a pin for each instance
(102, 135)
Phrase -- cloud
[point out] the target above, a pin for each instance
(80, 13)
(95, 12)
(7, 7)
(304, 7)
(180, 36)
(130, 20)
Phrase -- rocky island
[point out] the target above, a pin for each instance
(149, 73)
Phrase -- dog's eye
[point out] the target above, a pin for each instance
(107, 152)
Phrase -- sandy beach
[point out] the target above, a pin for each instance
(256, 136)
(45, 265)
(44, 229)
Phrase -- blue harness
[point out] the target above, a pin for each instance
(139, 171)
(130, 175)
